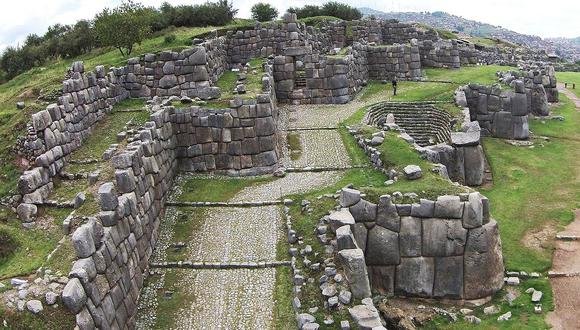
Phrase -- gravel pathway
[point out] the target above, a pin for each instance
(321, 148)
(567, 259)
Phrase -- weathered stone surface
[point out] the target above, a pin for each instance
(340, 218)
(355, 270)
(366, 317)
(108, 197)
(387, 215)
(383, 279)
(483, 262)
(425, 209)
(345, 238)
(364, 211)
(473, 211)
(360, 234)
(410, 237)
(26, 212)
(382, 247)
(349, 197)
(412, 172)
(443, 237)
(83, 242)
(448, 206)
(415, 277)
(73, 295)
(34, 306)
(448, 277)
(474, 163)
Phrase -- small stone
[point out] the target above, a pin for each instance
(510, 297)
(504, 317)
(466, 311)
(298, 279)
(296, 303)
(312, 310)
(537, 296)
(329, 290)
(472, 319)
(303, 319)
(50, 298)
(34, 306)
(513, 281)
(490, 310)
(17, 282)
(412, 172)
(535, 275)
(338, 278)
(344, 325)
(538, 309)
(530, 290)
(389, 182)
(333, 302)
(20, 105)
(345, 297)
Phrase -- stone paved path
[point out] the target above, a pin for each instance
(243, 298)
(567, 260)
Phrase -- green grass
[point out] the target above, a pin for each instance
(66, 190)
(318, 21)
(535, 188)
(168, 307)
(294, 146)
(52, 318)
(188, 221)
(216, 188)
(253, 82)
(570, 77)
(30, 247)
(523, 316)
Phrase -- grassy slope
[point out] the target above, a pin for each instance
(570, 77)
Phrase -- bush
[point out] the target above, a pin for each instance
(170, 38)
(336, 9)
(264, 12)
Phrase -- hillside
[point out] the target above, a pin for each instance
(565, 48)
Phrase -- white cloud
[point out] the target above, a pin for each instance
(558, 18)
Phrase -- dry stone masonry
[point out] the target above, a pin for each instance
(447, 248)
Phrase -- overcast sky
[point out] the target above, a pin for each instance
(539, 17)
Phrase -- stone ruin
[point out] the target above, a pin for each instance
(113, 247)
(448, 248)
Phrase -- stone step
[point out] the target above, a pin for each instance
(220, 265)
(322, 168)
(568, 237)
(225, 204)
(554, 274)
(311, 129)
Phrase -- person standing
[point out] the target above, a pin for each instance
(394, 83)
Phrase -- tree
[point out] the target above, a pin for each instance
(123, 27)
(264, 12)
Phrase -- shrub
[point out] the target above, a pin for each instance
(264, 12)
(170, 38)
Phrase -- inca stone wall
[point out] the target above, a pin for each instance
(114, 247)
(61, 128)
(400, 61)
(314, 79)
(502, 114)
(447, 248)
(191, 72)
(440, 54)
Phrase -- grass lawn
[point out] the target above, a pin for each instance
(535, 188)
(253, 82)
(215, 188)
(570, 77)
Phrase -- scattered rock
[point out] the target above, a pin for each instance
(490, 310)
(505, 317)
(472, 319)
(34, 306)
(513, 281)
(412, 172)
(20, 105)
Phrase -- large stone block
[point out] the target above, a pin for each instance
(483, 262)
(502, 126)
(356, 274)
(382, 247)
(410, 237)
(424, 209)
(340, 218)
(74, 296)
(349, 197)
(473, 211)
(382, 279)
(443, 237)
(345, 239)
(519, 104)
(387, 215)
(521, 130)
(83, 242)
(364, 211)
(415, 277)
(448, 206)
(448, 277)
(108, 197)
(474, 165)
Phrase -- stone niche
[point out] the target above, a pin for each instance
(445, 249)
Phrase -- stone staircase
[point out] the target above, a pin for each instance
(421, 120)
